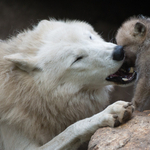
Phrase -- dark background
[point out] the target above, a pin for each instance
(106, 16)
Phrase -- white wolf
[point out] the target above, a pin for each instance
(51, 77)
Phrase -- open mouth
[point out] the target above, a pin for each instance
(124, 75)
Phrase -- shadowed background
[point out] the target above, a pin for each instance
(106, 17)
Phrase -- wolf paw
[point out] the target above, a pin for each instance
(119, 112)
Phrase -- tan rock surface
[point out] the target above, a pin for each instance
(134, 135)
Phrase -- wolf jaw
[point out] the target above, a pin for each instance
(125, 75)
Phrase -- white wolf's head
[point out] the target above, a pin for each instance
(69, 53)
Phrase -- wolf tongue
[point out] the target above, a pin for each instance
(122, 75)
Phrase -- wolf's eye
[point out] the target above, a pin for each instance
(78, 59)
(90, 37)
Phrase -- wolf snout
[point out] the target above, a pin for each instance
(118, 53)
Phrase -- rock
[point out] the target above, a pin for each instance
(133, 135)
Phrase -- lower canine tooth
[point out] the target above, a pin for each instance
(124, 79)
(131, 70)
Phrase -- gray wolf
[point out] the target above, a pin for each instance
(54, 86)
(134, 35)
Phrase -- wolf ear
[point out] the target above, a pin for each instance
(139, 29)
(22, 61)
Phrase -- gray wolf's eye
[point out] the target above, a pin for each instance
(78, 59)
(90, 37)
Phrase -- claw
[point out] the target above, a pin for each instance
(126, 116)
(132, 109)
(128, 104)
(125, 106)
(115, 116)
(117, 123)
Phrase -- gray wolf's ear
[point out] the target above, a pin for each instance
(139, 29)
(22, 61)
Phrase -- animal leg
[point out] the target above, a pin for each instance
(81, 131)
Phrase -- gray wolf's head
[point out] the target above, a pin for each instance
(58, 53)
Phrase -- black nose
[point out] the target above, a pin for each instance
(118, 53)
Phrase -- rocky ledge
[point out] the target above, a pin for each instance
(133, 135)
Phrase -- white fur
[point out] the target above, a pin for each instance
(43, 91)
